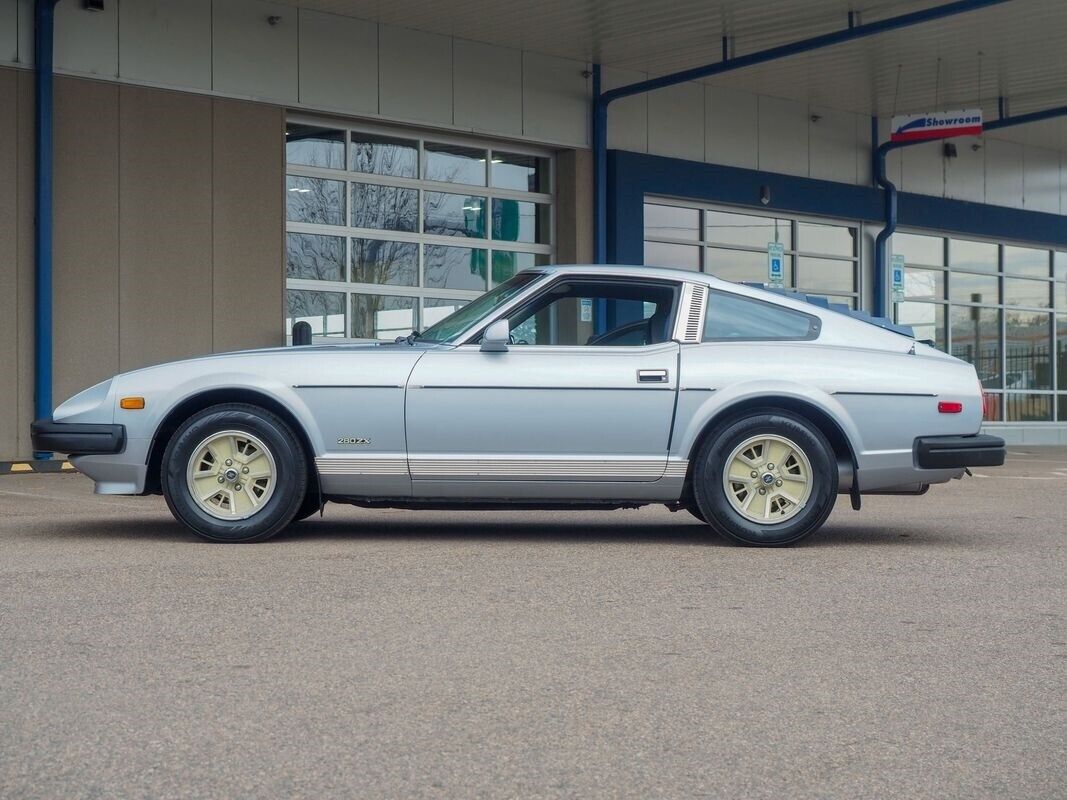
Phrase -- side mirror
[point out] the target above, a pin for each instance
(496, 337)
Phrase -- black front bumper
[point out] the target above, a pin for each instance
(77, 438)
(953, 452)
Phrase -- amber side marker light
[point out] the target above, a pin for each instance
(132, 403)
(949, 408)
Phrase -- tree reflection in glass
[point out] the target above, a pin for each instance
(381, 316)
(380, 261)
(387, 208)
(314, 257)
(455, 267)
(384, 155)
(324, 311)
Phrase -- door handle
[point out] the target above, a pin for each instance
(652, 376)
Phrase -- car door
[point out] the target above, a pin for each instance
(577, 406)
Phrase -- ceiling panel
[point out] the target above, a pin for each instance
(1015, 49)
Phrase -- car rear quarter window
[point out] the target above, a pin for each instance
(733, 318)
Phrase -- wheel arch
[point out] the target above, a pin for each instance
(843, 448)
(212, 397)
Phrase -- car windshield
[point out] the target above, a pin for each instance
(454, 324)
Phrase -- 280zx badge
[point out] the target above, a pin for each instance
(353, 440)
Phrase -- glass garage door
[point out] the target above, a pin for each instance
(1001, 307)
(390, 231)
(821, 257)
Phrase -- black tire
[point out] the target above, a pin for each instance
(711, 494)
(696, 512)
(291, 473)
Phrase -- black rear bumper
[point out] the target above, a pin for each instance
(952, 452)
(77, 438)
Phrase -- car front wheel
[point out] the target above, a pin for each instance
(234, 473)
(766, 479)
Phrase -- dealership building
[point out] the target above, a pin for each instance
(179, 178)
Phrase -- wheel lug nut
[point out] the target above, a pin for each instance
(237, 487)
(762, 490)
(755, 474)
(222, 479)
(770, 466)
(229, 462)
(778, 482)
(245, 470)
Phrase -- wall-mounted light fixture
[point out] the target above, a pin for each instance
(765, 194)
(93, 5)
(949, 150)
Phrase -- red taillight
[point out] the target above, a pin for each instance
(949, 408)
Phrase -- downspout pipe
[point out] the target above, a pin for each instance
(601, 100)
(44, 25)
(881, 242)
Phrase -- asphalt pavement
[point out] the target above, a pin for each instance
(915, 649)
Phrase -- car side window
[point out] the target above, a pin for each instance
(732, 317)
(596, 312)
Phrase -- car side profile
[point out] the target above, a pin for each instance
(564, 387)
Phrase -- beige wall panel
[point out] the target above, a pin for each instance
(338, 62)
(248, 251)
(9, 30)
(415, 75)
(832, 145)
(783, 136)
(9, 277)
(555, 99)
(628, 117)
(165, 280)
(24, 258)
(923, 169)
(1003, 173)
(676, 121)
(251, 57)
(1041, 180)
(863, 150)
(731, 127)
(574, 204)
(86, 236)
(166, 42)
(87, 41)
(487, 87)
(965, 174)
(25, 11)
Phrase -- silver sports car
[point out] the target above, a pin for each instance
(565, 387)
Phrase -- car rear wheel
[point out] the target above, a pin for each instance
(234, 473)
(766, 479)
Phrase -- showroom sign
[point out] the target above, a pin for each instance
(937, 125)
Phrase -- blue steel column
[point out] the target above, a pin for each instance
(44, 17)
(600, 171)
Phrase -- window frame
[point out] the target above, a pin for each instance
(814, 322)
(542, 253)
(795, 253)
(1057, 307)
(523, 303)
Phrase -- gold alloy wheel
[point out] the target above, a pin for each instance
(767, 479)
(231, 475)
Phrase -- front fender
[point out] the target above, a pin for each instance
(162, 397)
